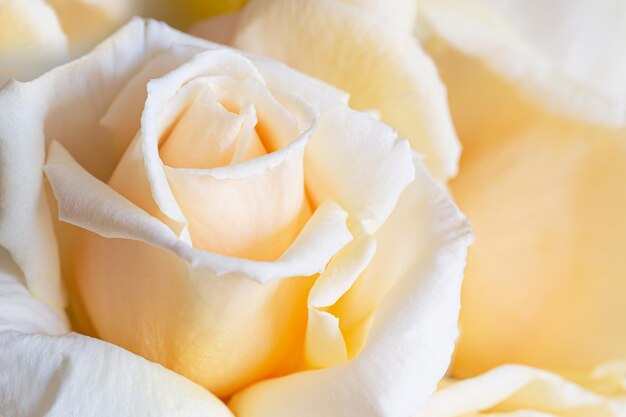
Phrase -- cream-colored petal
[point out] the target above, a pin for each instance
(325, 344)
(611, 376)
(86, 22)
(19, 310)
(397, 251)
(520, 391)
(544, 284)
(31, 39)
(77, 375)
(205, 135)
(402, 13)
(485, 107)
(381, 66)
(413, 330)
(576, 68)
(25, 225)
(253, 217)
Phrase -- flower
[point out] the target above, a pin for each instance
(36, 35)
(224, 216)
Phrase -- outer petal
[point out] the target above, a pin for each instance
(554, 186)
(19, 310)
(80, 376)
(86, 22)
(576, 68)
(548, 293)
(44, 373)
(402, 13)
(520, 391)
(381, 66)
(31, 39)
(412, 333)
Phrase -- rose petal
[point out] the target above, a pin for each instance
(349, 47)
(530, 391)
(19, 310)
(325, 344)
(253, 217)
(576, 68)
(555, 284)
(412, 332)
(86, 22)
(78, 375)
(31, 39)
(402, 13)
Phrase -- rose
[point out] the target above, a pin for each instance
(36, 35)
(519, 305)
(231, 219)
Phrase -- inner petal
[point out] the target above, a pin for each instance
(238, 200)
(204, 137)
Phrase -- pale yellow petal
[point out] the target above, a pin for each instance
(86, 22)
(544, 283)
(31, 39)
(576, 67)
(519, 391)
(402, 13)
(325, 343)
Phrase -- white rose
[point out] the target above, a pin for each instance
(229, 218)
